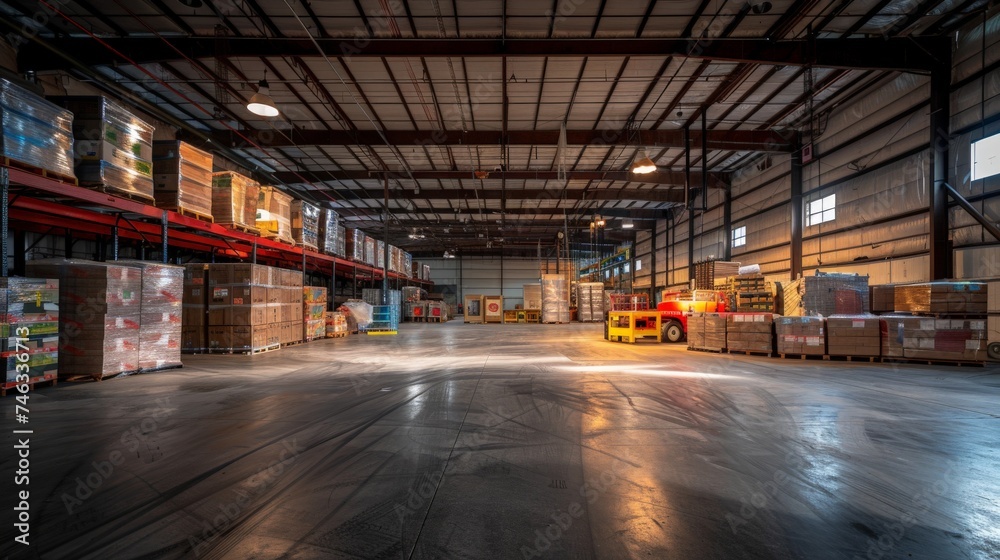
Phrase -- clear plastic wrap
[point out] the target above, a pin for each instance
(305, 224)
(234, 199)
(182, 177)
(34, 131)
(274, 214)
(336, 324)
(355, 245)
(33, 305)
(161, 311)
(360, 311)
(408, 264)
(329, 231)
(941, 298)
(826, 294)
(555, 298)
(590, 301)
(380, 254)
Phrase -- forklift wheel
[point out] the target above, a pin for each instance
(993, 350)
(673, 332)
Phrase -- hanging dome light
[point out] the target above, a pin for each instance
(642, 164)
(261, 103)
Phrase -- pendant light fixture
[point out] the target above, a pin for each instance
(642, 164)
(261, 103)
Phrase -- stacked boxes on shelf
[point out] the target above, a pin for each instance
(370, 251)
(336, 324)
(234, 200)
(380, 254)
(707, 331)
(274, 214)
(950, 298)
(305, 224)
(930, 338)
(161, 315)
(100, 306)
(801, 335)
(354, 241)
(750, 332)
(114, 148)
(314, 312)
(753, 293)
(883, 298)
(408, 264)
(331, 234)
(589, 301)
(826, 294)
(35, 132)
(182, 179)
(194, 303)
(853, 335)
(555, 298)
(29, 328)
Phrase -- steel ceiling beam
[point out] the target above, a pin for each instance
(740, 140)
(491, 214)
(644, 195)
(906, 54)
(715, 180)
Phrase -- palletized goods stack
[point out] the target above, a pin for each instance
(234, 200)
(696, 331)
(856, 336)
(305, 224)
(114, 147)
(314, 312)
(160, 320)
(942, 298)
(194, 303)
(274, 214)
(826, 294)
(35, 132)
(331, 234)
(883, 298)
(750, 332)
(29, 328)
(589, 301)
(555, 298)
(355, 245)
(993, 319)
(707, 331)
(948, 322)
(100, 306)
(804, 336)
(182, 178)
(336, 324)
(370, 246)
(707, 273)
(379, 253)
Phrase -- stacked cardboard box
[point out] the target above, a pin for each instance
(696, 330)
(801, 335)
(354, 241)
(194, 303)
(234, 200)
(750, 332)
(305, 224)
(99, 315)
(929, 338)
(370, 246)
(336, 324)
(331, 234)
(589, 301)
(114, 148)
(853, 335)
(182, 178)
(29, 326)
(274, 214)
(34, 131)
(415, 310)
(883, 298)
(962, 298)
(706, 331)
(314, 312)
(826, 294)
(161, 310)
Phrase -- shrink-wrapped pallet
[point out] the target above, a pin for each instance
(853, 335)
(555, 300)
(934, 339)
(182, 178)
(29, 328)
(826, 294)
(160, 314)
(331, 234)
(314, 312)
(590, 301)
(801, 335)
(234, 200)
(274, 214)
(305, 224)
(750, 332)
(34, 131)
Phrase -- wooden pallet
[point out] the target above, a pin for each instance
(801, 356)
(190, 213)
(835, 357)
(293, 343)
(162, 368)
(106, 189)
(336, 335)
(243, 228)
(751, 353)
(925, 361)
(703, 349)
(252, 352)
(55, 176)
(12, 387)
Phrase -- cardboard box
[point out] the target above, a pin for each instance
(934, 339)
(192, 339)
(220, 337)
(960, 298)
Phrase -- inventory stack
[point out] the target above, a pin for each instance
(336, 324)
(355, 245)
(194, 304)
(114, 148)
(493, 309)
(380, 254)
(370, 246)
(314, 312)
(942, 298)
(161, 310)
(182, 179)
(99, 319)
(274, 214)
(234, 201)
(948, 322)
(35, 132)
(804, 336)
(753, 293)
(29, 327)
(555, 298)
(853, 336)
(305, 224)
(707, 273)
(590, 302)
(750, 332)
(826, 294)
(707, 331)
(331, 234)
(883, 298)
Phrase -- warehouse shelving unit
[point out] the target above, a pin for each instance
(46, 205)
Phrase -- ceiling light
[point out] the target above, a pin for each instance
(261, 103)
(642, 164)
(627, 224)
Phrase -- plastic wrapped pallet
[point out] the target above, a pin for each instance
(360, 311)
(336, 324)
(555, 303)
(590, 301)
(408, 264)
(370, 247)
(314, 311)
(34, 131)
(801, 335)
(100, 305)
(182, 178)
(305, 224)
(380, 254)
(341, 247)
(958, 298)
(853, 335)
(114, 147)
(274, 214)
(826, 294)
(882, 298)
(355, 244)
(161, 311)
(234, 200)
(532, 296)
(329, 231)
(29, 325)
(750, 332)
(930, 338)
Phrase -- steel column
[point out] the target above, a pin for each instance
(795, 251)
(941, 259)
(164, 236)
(114, 243)
(727, 224)
(20, 252)
(385, 241)
(704, 160)
(4, 218)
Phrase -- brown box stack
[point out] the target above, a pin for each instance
(883, 298)
(234, 200)
(336, 324)
(696, 330)
(314, 312)
(929, 338)
(801, 335)
(99, 318)
(306, 224)
(161, 311)
(750, 332)
(826, 294)
(182, 178)
(194, 303)
(962, 298)
(274, 214)
(853, 335)
(713, 331)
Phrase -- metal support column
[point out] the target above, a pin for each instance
(114, 243)
(690, 244)
(20, 252)
(795, 251)
(704, 160)
(4, 218)
(652, 266)
(164, 238)
(253, 252)
(68, 243)
(385, 241)
(727, 224)
(941, 260)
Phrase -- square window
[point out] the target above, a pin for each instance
(740, 236)
(822, 210)
(986, 157)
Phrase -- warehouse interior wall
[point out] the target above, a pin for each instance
(483, 275)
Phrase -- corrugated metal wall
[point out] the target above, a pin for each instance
(481, 275)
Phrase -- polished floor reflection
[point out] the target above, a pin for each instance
(515, 441)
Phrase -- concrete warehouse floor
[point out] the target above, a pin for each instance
(514, 441)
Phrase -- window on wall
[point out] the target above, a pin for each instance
(740, 236)
(822, 210)
(986, 157)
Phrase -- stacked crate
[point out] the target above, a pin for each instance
(370, 246)
(314, 312)
(354, 241)
(114, 148)
(750, 332)
(942, 298)
(826, 294)
(493, 309)
(882, 298)
(194, 304)
(706, 331)
(415, 311)
(336, 324)
(380, 254)
(753, 293)
(161, 315)
(437, 311)
(589, 301)
(696, 331)
(305, 224)
(804, 336)
(234, 200)
(944, 321)
(35, 132)
(274, 214)
(853, 336)
(706, 273)
(182, 179)
(29, 329)
(99, 319)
